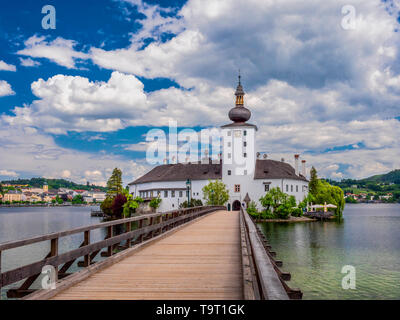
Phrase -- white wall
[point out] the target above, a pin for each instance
(170, 203)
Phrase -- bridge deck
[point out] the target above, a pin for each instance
(200, 261)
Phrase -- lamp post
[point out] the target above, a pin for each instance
(188, 190)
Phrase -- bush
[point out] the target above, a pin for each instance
(106, 206)
(252, 209)
(193, 203)
(118, 205)
(296, 212)
(267, 214)
(155, 203)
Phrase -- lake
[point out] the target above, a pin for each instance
(25, 222)
(314, 253)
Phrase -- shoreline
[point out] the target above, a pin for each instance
(46, 205)
(291, 219)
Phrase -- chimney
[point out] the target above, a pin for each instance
(303, 168)
(296, 164)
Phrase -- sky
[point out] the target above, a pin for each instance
(321, 80)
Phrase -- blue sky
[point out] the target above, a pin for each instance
(78, 100)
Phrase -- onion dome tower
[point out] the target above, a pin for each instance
(239, 114)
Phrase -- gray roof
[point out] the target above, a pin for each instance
(182, 172)
(239, 124)
(272, 169)
(265, 169)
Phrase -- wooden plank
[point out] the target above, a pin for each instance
(79, 276)
(176, 267)
(34, 268)
(19, 243)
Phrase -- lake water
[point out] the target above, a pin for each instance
(315, 252)
(21, 223)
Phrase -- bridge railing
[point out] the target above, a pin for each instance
(148, 226)
(262, 278)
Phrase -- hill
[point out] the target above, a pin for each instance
(391, 177)
(53, 184)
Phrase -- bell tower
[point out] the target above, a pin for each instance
(238, 153)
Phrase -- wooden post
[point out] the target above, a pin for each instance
(140, 227)
(109, 235)
(151, 223)
(86, 261)
(54, 252)
(128, 229)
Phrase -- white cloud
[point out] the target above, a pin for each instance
(5, 89)
(22, 145)
(7, 67)
(60, 51)
(8, 173)
(311, 85)
(28, 62)
(65, 174)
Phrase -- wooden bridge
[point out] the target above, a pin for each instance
(195, 253)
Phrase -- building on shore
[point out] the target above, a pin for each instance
(13, 195)
(245, 181)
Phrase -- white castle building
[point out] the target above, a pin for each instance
(246, 175)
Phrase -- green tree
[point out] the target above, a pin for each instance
(78, 199)
(215, 193)
(114, 183)
(313, 184)
(155, 203)
(131, 204)
(106, 206)
(331, 195)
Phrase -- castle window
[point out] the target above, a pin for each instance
(245, 133)
(229, 155)
(245, 172)
(237, 187)
(291, 188)
(229, 133)
(245, 155)
(180, 194)
(287, 188)
(297, 188)
(229, 144)
(166, 194)
(266, 187)
(244, 143)
(172, 194)
(229, 172)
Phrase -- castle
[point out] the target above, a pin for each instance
(246, 174)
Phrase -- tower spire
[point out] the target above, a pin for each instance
(239, 92)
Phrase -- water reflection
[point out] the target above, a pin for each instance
(21, 223)
(314, 253)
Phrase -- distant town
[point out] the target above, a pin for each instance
(39, 191)
(383, 188)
